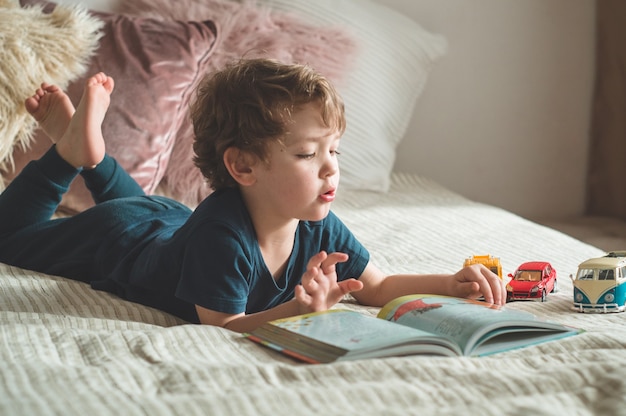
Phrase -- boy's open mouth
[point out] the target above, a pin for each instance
(328, 196)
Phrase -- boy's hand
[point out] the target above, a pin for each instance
(319, 289)
(477, 280)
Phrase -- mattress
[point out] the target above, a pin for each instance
(67, 349)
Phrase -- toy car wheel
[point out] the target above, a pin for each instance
(554, 289)
(543, 295)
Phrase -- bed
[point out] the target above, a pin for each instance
(67, 349)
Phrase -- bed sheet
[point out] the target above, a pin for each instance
(66, 349)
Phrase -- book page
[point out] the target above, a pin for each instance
(350, 330)
(342, 334)
(467, 322)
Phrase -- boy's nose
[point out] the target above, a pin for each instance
(331, 167)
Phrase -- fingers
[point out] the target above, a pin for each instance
(319, 289)
(486, 283)
(495, 285)
(316, 260)
(330, 263)
(349, 285)
(303, 297)
(312, 279)
(327, 262)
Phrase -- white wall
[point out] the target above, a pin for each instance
(504, 118)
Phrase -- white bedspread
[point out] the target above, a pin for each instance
(68, 350)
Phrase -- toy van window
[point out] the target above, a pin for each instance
(606, 275)
(621, 272)
(585, 274)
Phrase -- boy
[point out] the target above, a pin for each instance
(264, 245)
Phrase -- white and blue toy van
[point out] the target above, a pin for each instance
(600, 284)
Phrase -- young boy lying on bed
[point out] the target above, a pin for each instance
(264, 245)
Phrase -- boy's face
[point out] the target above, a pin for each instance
(302, 176)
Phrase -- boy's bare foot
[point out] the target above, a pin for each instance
(82, 144)
(52, 109)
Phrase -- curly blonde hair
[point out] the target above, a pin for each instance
(248, 105)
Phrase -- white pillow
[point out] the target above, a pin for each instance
(394, 59)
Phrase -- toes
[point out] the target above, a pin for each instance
(31, 104)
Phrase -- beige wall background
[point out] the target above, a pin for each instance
(606, 187)
(505, 116)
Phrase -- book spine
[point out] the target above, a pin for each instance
(283, 350)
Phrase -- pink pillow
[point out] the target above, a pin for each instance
(246, 30)
(155, 64)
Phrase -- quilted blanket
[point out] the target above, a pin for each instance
(66, 349)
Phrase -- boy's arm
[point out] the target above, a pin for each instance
(470, 282)
(246, 322)
(319, 290)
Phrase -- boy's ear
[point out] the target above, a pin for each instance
(239, 164)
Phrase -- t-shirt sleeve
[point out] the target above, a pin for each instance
(215, 270)
(338, 237)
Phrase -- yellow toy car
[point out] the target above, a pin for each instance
(492, 263)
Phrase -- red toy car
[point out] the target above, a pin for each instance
(532, 280)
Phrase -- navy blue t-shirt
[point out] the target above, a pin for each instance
(211, 258)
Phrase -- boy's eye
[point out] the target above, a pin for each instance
(308, 156)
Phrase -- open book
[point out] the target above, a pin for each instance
(414, 324)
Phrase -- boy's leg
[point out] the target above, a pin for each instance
(52, 108)
(34, 195)
(28, 237)
(82, 144)
(109, 181)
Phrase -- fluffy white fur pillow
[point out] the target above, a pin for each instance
(37, 47)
